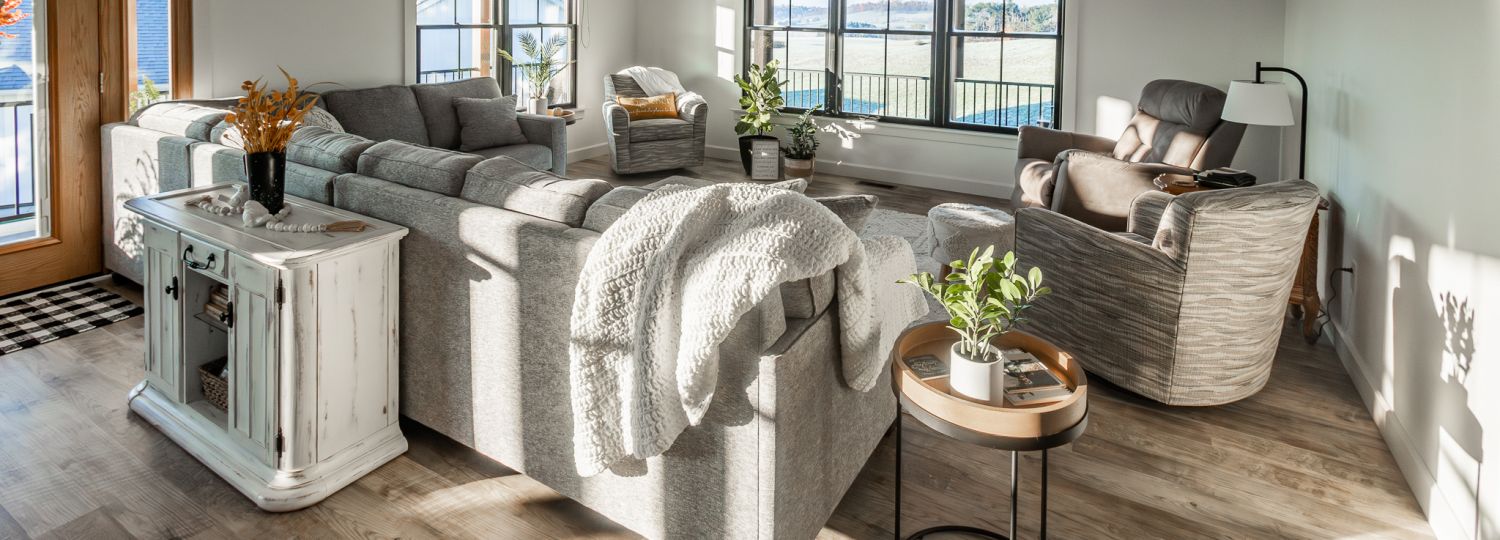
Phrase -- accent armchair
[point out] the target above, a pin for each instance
(1186, 307)
(1176, 130)
(658, 144)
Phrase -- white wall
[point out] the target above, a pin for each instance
(1403, 107)
(362, 43)
(1120, 47)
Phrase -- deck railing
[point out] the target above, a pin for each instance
(17, 177)
(976, 102)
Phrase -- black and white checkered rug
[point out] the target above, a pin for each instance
(36, 318)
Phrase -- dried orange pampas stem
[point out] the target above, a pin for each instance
(10, 13)
(267, 118)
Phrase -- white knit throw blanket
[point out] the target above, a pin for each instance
(655, 81)
(667, 282)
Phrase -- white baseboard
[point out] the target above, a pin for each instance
(588, 152)
(893, 176)
(1441, 517)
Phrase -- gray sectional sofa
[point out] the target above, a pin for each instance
(178, 144)
(487, 279)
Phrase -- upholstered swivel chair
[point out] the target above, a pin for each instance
(658, 144)
(1176, 130)
(1186, 307)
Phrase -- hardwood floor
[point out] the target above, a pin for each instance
(1302, 459)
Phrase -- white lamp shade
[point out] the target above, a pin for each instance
(1261, 104)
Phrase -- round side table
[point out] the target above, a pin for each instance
(1001, 426)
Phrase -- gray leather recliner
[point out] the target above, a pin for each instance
(1176, 130)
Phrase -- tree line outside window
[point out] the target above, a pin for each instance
(990, 65)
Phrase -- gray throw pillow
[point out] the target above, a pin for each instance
(853, 210)
(487, 123)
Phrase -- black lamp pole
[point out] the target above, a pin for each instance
(1302, 153)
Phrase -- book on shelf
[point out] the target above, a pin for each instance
(214, 311)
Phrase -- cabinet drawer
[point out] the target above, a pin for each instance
(200, 255)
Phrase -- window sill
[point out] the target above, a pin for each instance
(858, 127)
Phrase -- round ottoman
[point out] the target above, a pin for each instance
(958, 228)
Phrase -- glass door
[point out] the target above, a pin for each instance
(23, 122)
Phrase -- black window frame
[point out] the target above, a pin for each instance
(946, 29)
(504, 33)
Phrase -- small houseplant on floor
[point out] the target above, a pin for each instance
(265, 120)
(544, 67)
(802, 146)
(985, 298)
(761, 99)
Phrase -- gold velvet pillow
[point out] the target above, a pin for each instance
(663, 106)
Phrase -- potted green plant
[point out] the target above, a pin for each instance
(544, 67)
(985, 298)
(802, 146)
(761, 99)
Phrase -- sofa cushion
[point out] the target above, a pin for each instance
(320, 117)
(679, 181)
(383, 113)
(853, 210)
(660, 129)
(436, 102)
(182, 119)
(608, 209)
(432, 169)
(327, 150)
(534, 155)
(506, 183)
(487, 123)
(224, 133)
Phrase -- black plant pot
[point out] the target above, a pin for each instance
(266, 172)
(745, 142)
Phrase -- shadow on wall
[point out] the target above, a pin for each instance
(1423, 349)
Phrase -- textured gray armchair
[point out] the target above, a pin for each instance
(1176, 130)
(658, 144)
(1186, 307)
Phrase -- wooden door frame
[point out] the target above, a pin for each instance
(73, 113)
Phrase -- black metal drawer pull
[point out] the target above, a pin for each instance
(187, 257)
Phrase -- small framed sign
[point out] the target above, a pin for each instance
(765, 159)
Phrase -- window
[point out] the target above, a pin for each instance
(994, 66)
(23, 119)
(151, 38)
(456, 39)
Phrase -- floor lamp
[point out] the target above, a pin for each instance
(1264, 103)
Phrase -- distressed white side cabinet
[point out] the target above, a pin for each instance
(309, 334)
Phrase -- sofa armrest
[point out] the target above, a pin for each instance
(692, 107)
(1099, 189)
(1044, 143)
(617, 121)
(549, 131)
(1146, 211)
(1051, 240)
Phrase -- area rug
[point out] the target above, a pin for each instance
(52, 314)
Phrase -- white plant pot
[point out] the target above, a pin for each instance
(537, 106)
(980, 382)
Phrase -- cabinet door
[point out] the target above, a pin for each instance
(163, 290)
(253, 354)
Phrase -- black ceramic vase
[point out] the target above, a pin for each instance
(266, 172)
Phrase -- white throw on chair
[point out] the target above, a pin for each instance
(657, 144)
